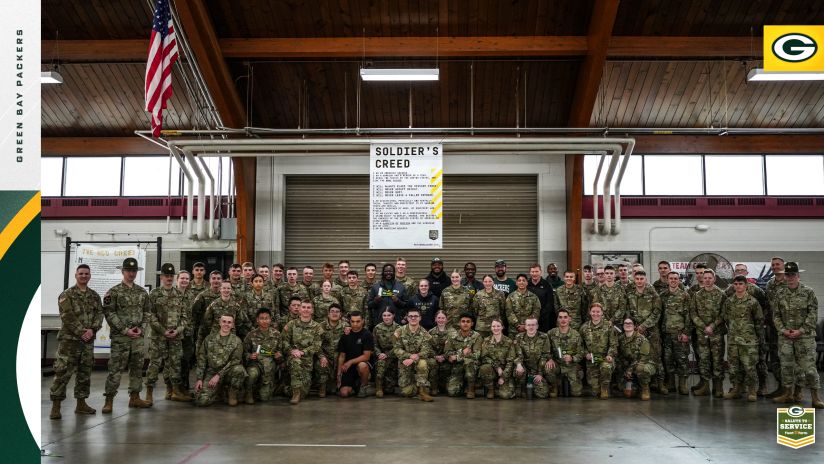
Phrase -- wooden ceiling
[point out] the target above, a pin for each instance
(507, 90)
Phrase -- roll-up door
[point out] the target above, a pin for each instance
(485, 218)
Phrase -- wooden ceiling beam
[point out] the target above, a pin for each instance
(418, 47)
(99, 146)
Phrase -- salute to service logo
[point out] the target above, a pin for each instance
(793, 48)
(795, 426)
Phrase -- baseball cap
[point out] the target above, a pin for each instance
(500, 262)
(437, 260)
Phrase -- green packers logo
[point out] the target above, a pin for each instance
(795, 427)
(794, 47)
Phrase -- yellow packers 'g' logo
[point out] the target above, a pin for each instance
(793, 48)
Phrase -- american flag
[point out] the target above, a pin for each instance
(162, 56)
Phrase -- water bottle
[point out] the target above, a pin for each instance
(530, 388)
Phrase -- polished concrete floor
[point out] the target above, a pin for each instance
(669, 430)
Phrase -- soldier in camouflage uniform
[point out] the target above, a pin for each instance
(774, 288)
(302, 340)
(601, 346)
(198, 281)
(634, 358)
(188, 361)
(278, 271)
(532, 356)
(706, 316)
(353, 296)
(455, 300)
(521, 305)
(662, 283)
(589, 284)
(574, 298)
(259, 297)
(369, 273)
(289, 289)
(699, 278)
(219, 364)
(311, 287)
(327, 270)
(324, 301)
(612, 297)
(644, 307)
(127, 310)
(759, 295)
(463, 350)
(497, 361)
(385, 364)
(326, 363)
(745, 322)
(81, 316)
(169, 318)
(239, 285)
(439, 375)
(795, 318)
(201, 302)
(677, 326)
(412, 347)
(262, 350)
(488, 305)
(567, 348)
(228, 303)
(410, 284)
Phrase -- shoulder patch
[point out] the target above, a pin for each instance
(62, 299)
(107, 299)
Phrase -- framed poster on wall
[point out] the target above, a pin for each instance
(603, 258)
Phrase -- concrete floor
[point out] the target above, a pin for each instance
(671, 429)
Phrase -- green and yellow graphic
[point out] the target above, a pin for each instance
(437, 193)
(795, 426)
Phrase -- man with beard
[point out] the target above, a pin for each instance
(552, 276)
(501, 282)
(438, 280)
(388, 293)
(470, 282)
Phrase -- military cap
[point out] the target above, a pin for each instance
(167, 269)
(500, 262)
(130, 264)
(437, 260)
(791, 267)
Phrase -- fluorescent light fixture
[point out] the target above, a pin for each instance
(382, 74)
(50, 77)
(759, 75)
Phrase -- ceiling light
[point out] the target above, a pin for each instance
(50, 77)
(380, 74)
(759, 75)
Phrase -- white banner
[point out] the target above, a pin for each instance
(104, 262)
(406, 195)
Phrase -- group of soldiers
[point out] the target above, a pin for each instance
(266, 331)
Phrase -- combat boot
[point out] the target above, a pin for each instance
(232, 399)
(470, 391)
(718, 388)
(786, 396)
(604, 391)
(179, 394)
(249, 397)
(423, 395)
(733, 394)
(797, 394)
(671, 385)
(107, 406)
(553, 390)
(663, 388)
(752, 393)
(296, 397)
(83, 408)
(762, 384)
(150, 395)
(55, 412)
(490, 391)
(704, 389)
(378, 388)
(701, 383)
(322, 391)
(169, 391)
(779, 390)
(816, 401)
(136, 402)
(682, 385)
(645, 392)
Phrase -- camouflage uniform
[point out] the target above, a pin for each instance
(366, 285)
(496, 355)
(384, 343)
(645, 310)
(487, 307)
(590, 289)
(79, 310)
(221, 355)
(126, 307)
(321, 305)
(312, 289)
(533, 353)
(774, 288)
(520, 307)
(763, 350)
(745, 324)
(197, 288)
(168, 312)
(464, 367)
(262, 371)
(676, 321)
(562, 344)
(188, 361)
(439, 375)
(406, 343)
(327, 376)
(233, 307)
(265, 299)
(634, 356)
(240, 287)
(600, 341)
(198, 311)
(574, 299)
(306, 337)
(410, 285)
(354, 300)
(285, 293)
(453, 302)
(706, 311)
(797, 309)
(614, 301)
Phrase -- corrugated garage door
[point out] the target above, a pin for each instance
(485, 218)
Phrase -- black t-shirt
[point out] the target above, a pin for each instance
(354, 344)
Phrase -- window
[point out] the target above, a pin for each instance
(673, 175)
(149, 176)
(51, 177)
(734, 175)
(92, 177)
(631, 184)
(795, 175)
(215, 165)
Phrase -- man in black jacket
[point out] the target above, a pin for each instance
(388, 293)
(438, 280)
(543, 290)
(425, 302)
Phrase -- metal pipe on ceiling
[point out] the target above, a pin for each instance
(627, 153)
(201, 193)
